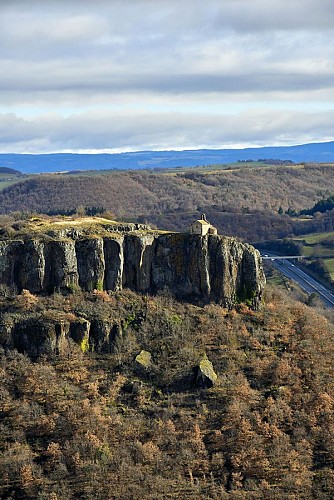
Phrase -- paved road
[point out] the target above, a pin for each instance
(305, 281)
(275, 257)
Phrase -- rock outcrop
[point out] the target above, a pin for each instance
(206, 377)
(39, 334)
(196, 268)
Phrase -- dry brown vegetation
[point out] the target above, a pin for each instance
(93, 427)
(235, 200)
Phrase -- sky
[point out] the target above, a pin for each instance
(129, 75)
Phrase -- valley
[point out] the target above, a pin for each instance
(130, 352)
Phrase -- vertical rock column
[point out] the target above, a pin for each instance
(10, 263)
(33, 268)
(61, 265)
(236, 272)
(91, 265)
(252, 279)
(199, 267)
(38, 265)
(114, 262)
(181, 264)
(138, 255)
(225, 265)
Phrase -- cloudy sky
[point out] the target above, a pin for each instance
(127, 75)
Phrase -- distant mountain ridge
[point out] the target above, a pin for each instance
(57, 162)
(9, 171)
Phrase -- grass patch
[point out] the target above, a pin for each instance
(317, 251)
(7, 180)
(5, 184)
(274, 277)
(315, 238)
(91, 227)
(317, 245)
(329, 264)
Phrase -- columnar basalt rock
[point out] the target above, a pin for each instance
(207, 268)
(102, 336)
(31, 273)
(191, 267)
(79, 330)
(181, 265)
(90, 261)
(10, 257)
(139, 254)
(39, 335)
(235, 271)
(62, 266)
(114, 263)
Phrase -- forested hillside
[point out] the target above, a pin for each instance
(247, 202)
(81, 425)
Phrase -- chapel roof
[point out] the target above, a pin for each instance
(203, 222)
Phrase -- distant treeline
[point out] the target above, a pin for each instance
(268, 161)
(90, 211)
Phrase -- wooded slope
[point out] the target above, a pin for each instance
(85, 426)
(172, 201)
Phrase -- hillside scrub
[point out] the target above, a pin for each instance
(92, 426)
(171, 201)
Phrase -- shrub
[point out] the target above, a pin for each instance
(26, 300)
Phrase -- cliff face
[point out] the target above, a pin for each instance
(36, 334)
(191, 267)
(204, 268)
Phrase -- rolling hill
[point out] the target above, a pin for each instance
(36, 163)
(245, 202)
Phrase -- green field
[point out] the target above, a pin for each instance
(319, 246)
(5, 184)
(317, 251)
(7, 180)
(329, 263)
(315, 238)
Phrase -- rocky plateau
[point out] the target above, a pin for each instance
(198, 269)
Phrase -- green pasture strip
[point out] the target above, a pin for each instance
(317, 251)
(329, 264)
(315, 238)
(4, 184)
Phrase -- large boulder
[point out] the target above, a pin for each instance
(206, 377)
(144, 360)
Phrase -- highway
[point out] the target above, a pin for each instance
(305, 281)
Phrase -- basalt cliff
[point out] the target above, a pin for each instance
(68, 261)
(191, 267)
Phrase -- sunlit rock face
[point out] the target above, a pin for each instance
(191, 267)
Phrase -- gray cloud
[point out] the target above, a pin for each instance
(146, 54)
(283, 15)
(130, 130)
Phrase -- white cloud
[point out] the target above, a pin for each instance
(130, 129)
(155, 56)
